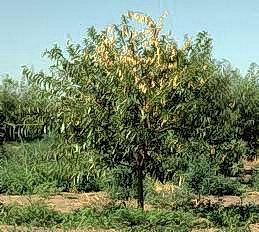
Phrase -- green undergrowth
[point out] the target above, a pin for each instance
(109, 217)
(35, 168)
(231, 217)
(112, 216)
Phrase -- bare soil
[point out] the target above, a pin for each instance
(64, 202)
(250, 197)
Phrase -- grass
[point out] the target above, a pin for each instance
(109, 217)
(234, 216)
(112, 216)
(36, 214)
(39, 170)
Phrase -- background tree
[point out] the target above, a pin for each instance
(18, 103)
(247, 104)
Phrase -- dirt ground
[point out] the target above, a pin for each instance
(64, 202)
(67, 202)
(251, 197)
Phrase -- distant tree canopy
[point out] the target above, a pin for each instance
(246, 92)
(18, 102)
(140, 100)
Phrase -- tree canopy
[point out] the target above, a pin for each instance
(138, 99)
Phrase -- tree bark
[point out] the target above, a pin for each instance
(140, 183)
(140, 169)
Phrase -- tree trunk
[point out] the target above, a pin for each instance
(140, 168)
(140, 183)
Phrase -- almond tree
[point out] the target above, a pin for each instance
(127, 93)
